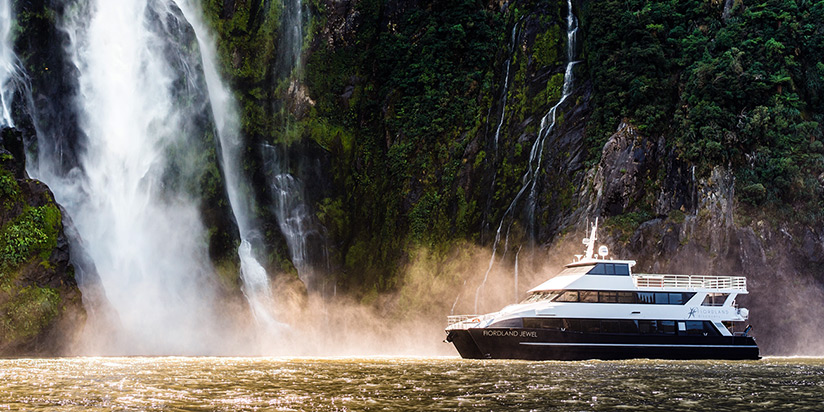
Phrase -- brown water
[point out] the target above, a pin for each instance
(285, 384)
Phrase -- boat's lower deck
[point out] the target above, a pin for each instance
(538, 344)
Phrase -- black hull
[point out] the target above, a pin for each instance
(531, 344)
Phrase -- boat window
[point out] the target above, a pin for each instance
(666, 327)
(715, 299)
(676, 298)
(645, 297)
(542, 323)
(541, 296)
(648, 327)
(508, 323)
(616, 326)
(695, 327)
(626, 297)
(621, 269)
(629, 326)
(572, 325)
(590, 296)
(568, 296)
(590, 326)
(610, 326)
(608, 297)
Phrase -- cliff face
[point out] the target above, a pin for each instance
(40, 304)
(691, 128)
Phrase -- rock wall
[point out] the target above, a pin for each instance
(41, 311)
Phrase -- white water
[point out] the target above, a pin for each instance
(505, 92)
(147, 242)
(293, 214)
(8, 63)
(530, 178)
(255, 280)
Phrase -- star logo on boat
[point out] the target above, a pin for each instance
(692, 312)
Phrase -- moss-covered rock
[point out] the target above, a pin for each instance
(40, 304)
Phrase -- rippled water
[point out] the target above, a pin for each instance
(206, 384)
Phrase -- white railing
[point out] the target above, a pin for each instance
(690, 281)
(453, 319)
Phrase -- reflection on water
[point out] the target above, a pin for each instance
(206, 384)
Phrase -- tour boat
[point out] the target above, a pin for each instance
(597, 308)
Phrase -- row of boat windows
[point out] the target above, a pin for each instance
(618, 269)
(594, 296)
(615, 326)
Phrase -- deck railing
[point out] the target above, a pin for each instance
(453, 319)
(690, 281)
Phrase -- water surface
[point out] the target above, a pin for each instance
(286, 384)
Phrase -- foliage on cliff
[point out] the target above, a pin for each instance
(727, 83)
(37, 285)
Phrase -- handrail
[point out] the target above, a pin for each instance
(454, 319)
(690, 281)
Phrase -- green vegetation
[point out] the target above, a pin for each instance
(744, 91)
(27, 312)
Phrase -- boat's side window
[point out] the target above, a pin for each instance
(695, 327)
(666, 327)
(608, 297)
(622, 269)
(662, 298)
(676, 298)
(611, 326)
(568, 296)
(542, 323)
(645, 297)
(572, 325)
(629, 326)
(626, 297)
(705, 328)
(590, 296)
(509, 323)
(648, 327)
(715, 299)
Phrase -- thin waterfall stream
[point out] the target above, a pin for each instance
(8, 63)
(255, 279)
(530, 178)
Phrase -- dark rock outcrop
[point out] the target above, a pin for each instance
(41, 311)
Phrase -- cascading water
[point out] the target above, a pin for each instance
(8, 64)
(142, 107)
(293, 213)
(294, 217)
(530, 178)
(505, 92)
(256, 286)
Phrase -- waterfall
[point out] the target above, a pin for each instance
(505, 91)
(530, 178)
(8, 64)
(303, 234)
(255, 280)
(293, 214)
(143, 108)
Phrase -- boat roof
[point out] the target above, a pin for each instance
(593, 272)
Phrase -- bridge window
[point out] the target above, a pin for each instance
(618, 269)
